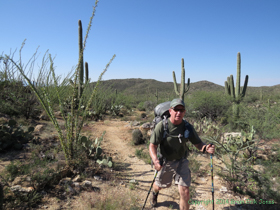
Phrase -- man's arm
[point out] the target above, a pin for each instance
(208, 148)
(153, 154)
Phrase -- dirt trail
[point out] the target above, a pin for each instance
(117, 142)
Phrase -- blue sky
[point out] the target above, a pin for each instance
(150, 37)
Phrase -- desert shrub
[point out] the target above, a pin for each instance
(16, 99)
(212, 105)
(149, 105)
(13, 136)
(265, 121)
(251, 98)
(140, 106)
(239, 155)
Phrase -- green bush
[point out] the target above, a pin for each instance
(13, 136)
(149, 105)
(212, 105)
(141, 107)
(265, 121)
(16, 99)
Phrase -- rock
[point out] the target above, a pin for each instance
(76, 184)
(22, 181)
(146, 126)
(98, 178)
(71, 190)
(223, 189)
(44, 117)
(77, 178)
(19, 189)
(135, 123)
(38, 129)
(262, 156)
(265, 149)
(58, 113)
(259, 168)
(65, 181)
(86, 184)
(149, 133)
(228, 135)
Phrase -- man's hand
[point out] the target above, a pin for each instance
(210, 148)
(157, 165)
(153, 154)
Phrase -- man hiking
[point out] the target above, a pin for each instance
(172, 145)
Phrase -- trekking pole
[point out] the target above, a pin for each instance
(211, 157)
(150, 189)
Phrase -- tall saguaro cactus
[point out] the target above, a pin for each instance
(81, 62)
(183, 88)
(235, 92)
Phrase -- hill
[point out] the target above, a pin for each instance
(137, 86)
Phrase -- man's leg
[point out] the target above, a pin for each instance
(156, 188)
(184, 197)
(155, 192)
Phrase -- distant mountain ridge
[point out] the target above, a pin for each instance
(141, 86)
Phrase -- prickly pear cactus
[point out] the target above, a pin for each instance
(95, 151)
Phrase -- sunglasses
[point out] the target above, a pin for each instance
(178, 110)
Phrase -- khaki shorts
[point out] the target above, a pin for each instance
(178, 169)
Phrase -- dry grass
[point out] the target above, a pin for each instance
(111, 198)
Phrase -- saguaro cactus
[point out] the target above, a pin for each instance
(156, 95)
(235, 92)
(81, 62)
(183, 88)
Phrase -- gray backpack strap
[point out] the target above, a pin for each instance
(165, 127)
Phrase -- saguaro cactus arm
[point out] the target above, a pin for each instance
(175, 84)
(238, 72)
(86, 71)
(245, 86)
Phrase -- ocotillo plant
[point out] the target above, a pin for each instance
(235, 92)
(183, 89)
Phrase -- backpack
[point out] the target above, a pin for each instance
(161, 112)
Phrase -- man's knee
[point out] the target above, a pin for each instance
(184, 191)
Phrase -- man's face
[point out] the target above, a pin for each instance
(176, 114)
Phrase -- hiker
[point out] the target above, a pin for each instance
(173, 149)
